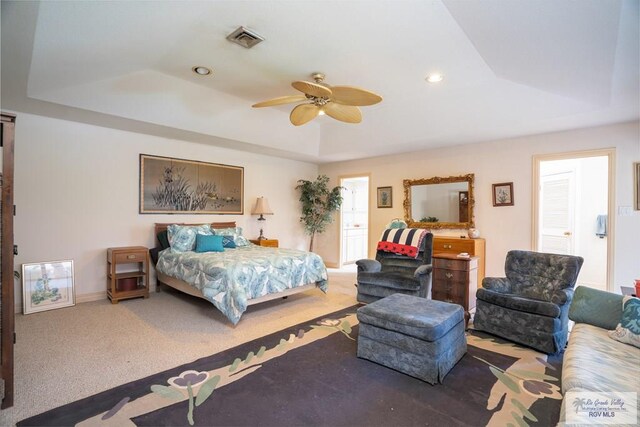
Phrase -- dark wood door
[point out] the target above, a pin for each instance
(7, 307)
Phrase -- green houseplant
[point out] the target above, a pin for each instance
(318, 205)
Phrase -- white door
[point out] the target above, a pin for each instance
(557, 207)
(573, 201)
(354, 217)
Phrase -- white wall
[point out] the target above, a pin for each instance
(76, 191)
(505, 228)
(592, 201)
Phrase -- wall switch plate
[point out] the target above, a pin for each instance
(625, 211)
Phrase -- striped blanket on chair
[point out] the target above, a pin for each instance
(402, 241)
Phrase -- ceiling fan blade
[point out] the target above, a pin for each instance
(280, 100)
(303, 113)
(344, 113)
(351, 95)
(312, 89)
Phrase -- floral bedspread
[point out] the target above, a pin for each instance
(228, 279)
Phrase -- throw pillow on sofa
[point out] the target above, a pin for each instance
(628, 330)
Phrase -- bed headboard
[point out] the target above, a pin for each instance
(161, 226)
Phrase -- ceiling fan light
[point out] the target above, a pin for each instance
(321, 112)
(435, 78)
(201, 71)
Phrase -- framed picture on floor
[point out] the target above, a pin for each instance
(503, 194)
(385, 199)
(47, 285)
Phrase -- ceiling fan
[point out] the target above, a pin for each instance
(339, 102)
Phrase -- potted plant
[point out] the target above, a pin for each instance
(318, 205)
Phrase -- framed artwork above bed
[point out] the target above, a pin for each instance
(174, 186)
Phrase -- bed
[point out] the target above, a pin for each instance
(238, 277)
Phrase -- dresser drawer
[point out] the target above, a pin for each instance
(453, 294)
(450, 288)
(451, 276)
(460, 264)
(441, 245)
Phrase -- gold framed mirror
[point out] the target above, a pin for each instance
(439, 202)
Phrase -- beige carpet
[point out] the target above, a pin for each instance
(68, 354)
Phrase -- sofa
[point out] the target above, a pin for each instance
(593, 361)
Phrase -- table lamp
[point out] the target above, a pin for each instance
(262, 208)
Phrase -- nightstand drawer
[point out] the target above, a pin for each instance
(122, 258)
(120, 255)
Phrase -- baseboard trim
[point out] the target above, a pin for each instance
(95, 296)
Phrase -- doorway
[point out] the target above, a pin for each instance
(354, 219)
(573, 211)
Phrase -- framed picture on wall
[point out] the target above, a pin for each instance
(503, 194)
(174, 186)
(47, 285)
(385, 199)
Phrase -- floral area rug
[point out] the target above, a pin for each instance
(309, 375)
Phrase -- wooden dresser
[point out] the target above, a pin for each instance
(455, 281)
(456, 245)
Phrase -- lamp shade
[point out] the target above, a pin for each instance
(262, 207)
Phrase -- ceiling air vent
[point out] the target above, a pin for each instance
(245, 37)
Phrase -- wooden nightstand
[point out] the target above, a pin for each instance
(270, 243)
(455, 280)
(131, 280)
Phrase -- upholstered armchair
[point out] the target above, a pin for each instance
(530, 306)
(391, 273)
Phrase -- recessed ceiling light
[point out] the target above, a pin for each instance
(202, 71)
(434, 77)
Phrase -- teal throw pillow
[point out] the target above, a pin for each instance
(631, 314)
(227, 242)
(595, 307)
(163, 239)
(628, 330)
(209, 243)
